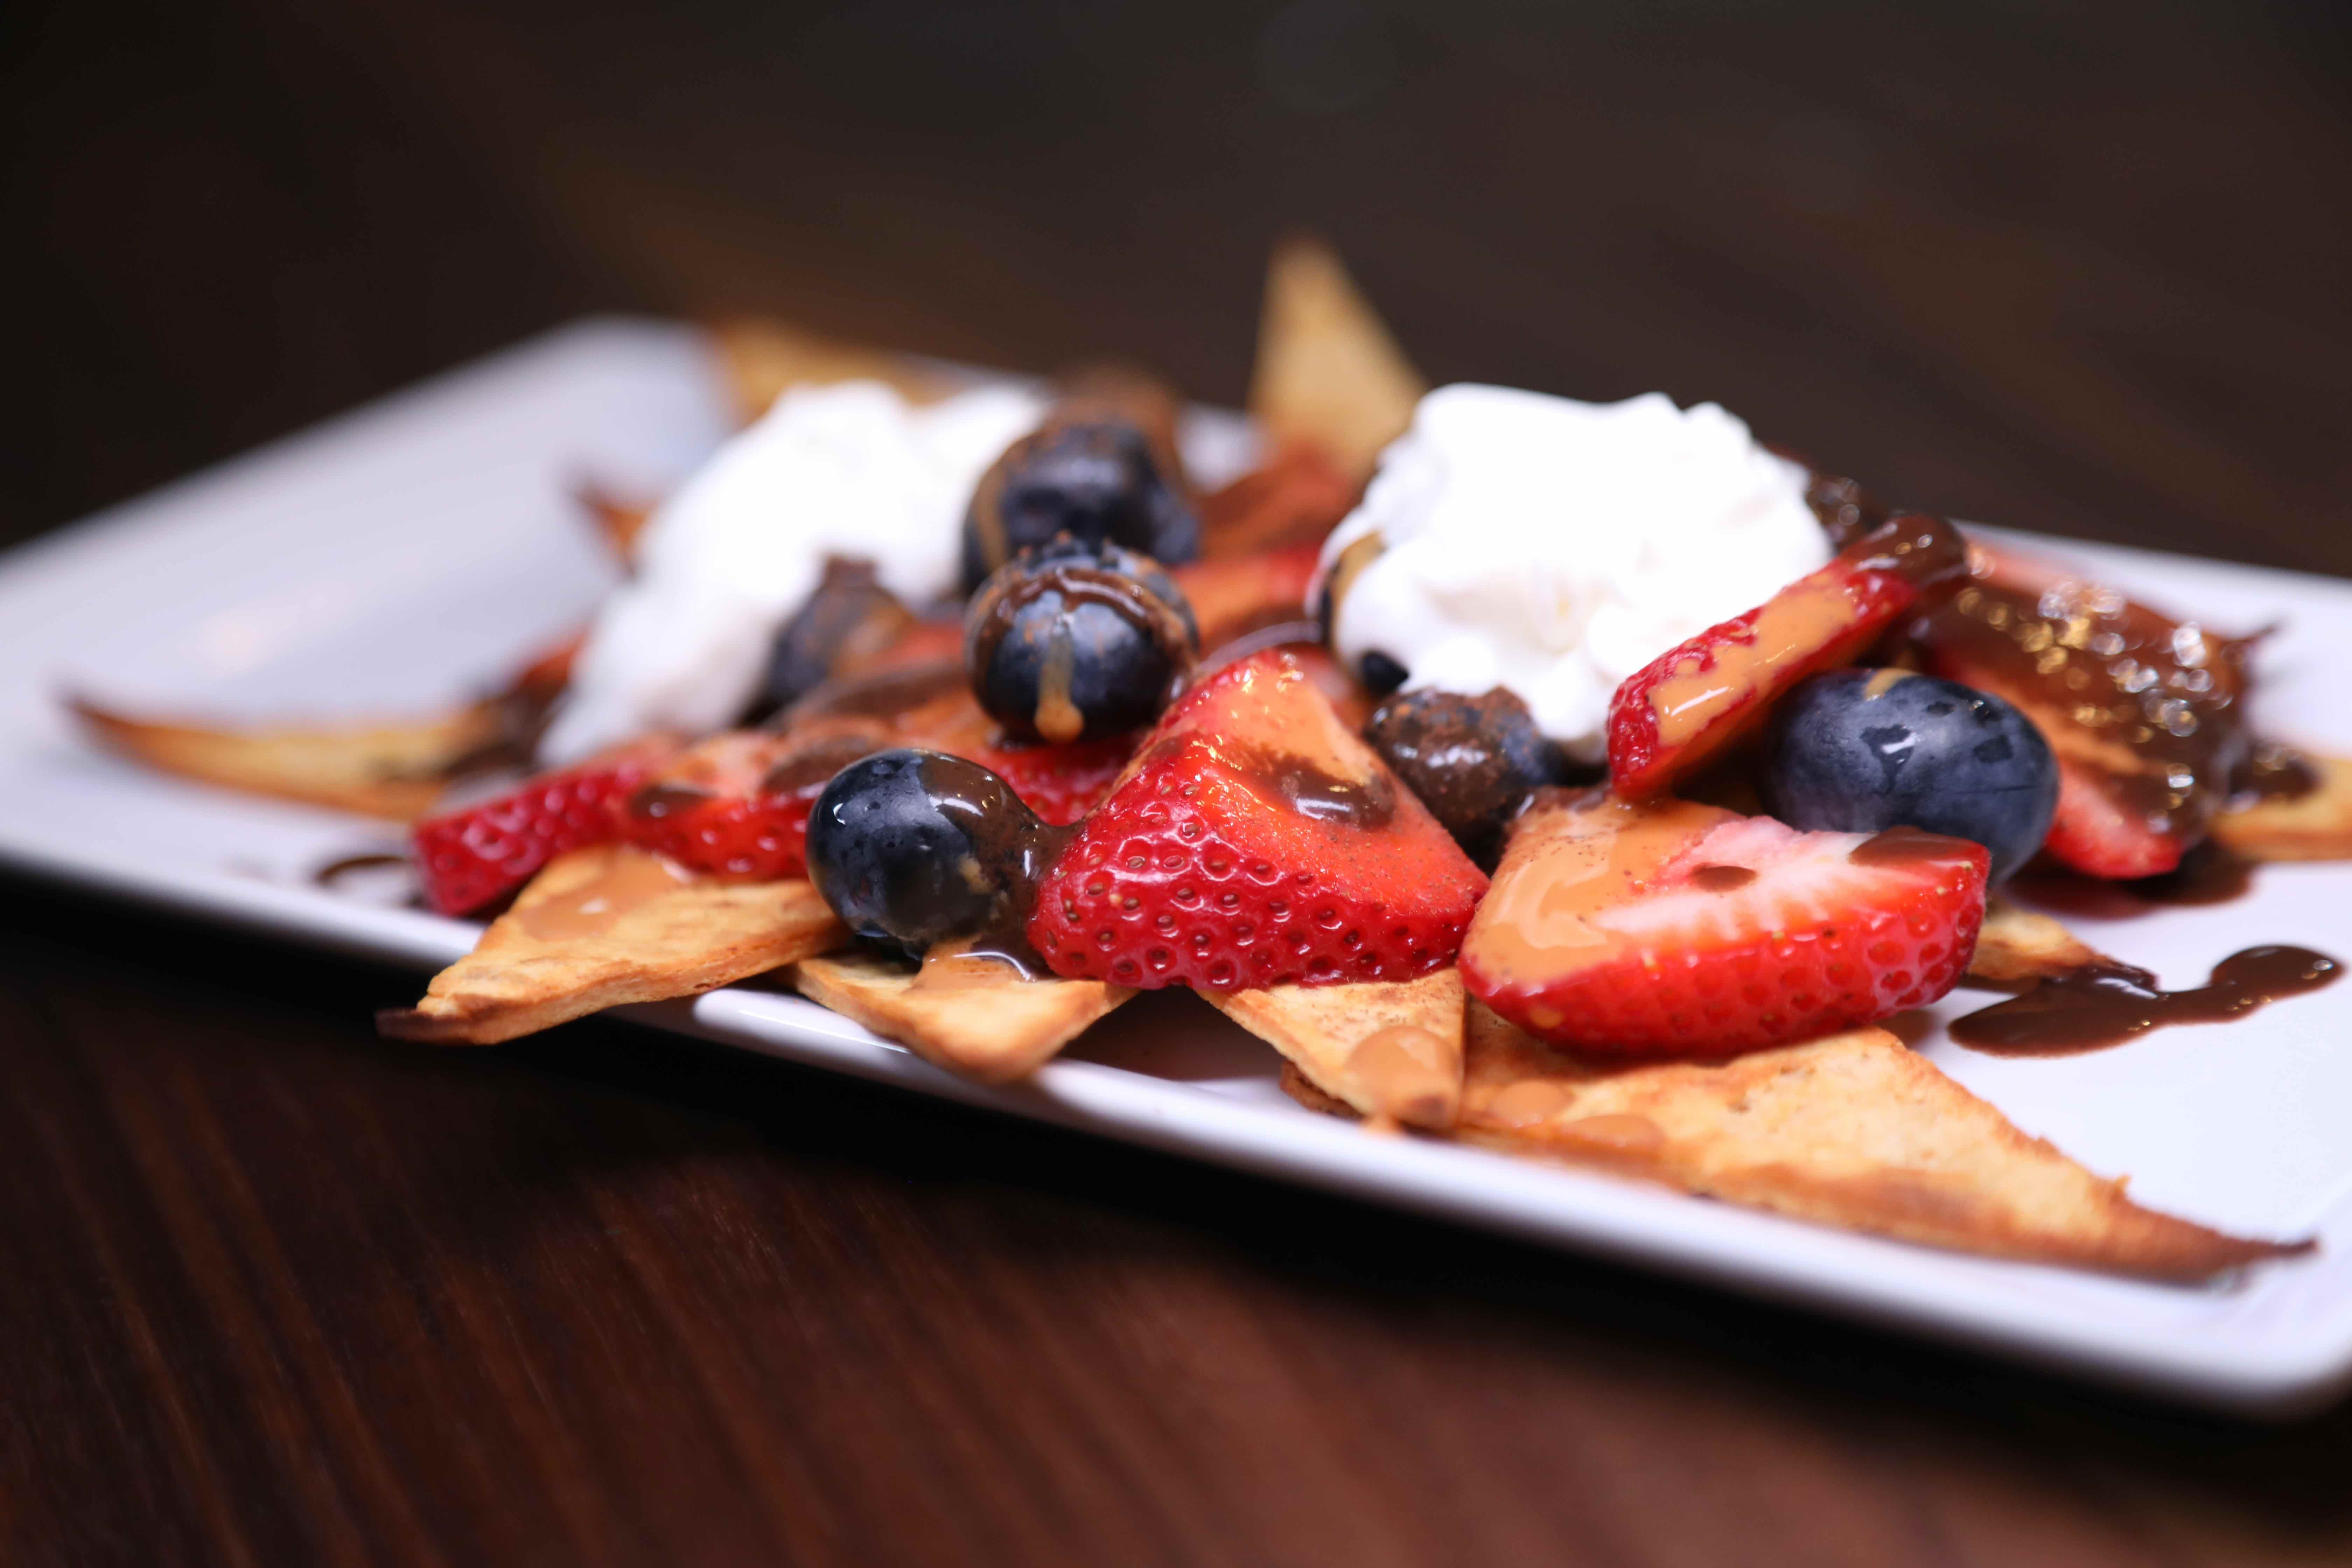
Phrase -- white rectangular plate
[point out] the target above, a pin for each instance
(400, 555)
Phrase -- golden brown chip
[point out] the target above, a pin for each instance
(599, 928)
(1388, 1049)
(382, 769)
(2312, 826)
(1853, 1129)
(761, 358)
(1328, 373)
(981, 1019)
(2019, 944)
(618, 521)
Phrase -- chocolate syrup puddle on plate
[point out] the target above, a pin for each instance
(2106, 1004)
(334, 872)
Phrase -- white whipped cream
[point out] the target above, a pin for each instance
(1555, 547)
(851, 469)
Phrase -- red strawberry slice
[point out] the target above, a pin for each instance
(1668, 928)
(1255, 841)
(472, 857)
(1670, 717)
(1060, 783)
(738, 803)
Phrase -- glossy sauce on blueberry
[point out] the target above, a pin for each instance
(916, 848)
(1071, 641)
(1090, 472)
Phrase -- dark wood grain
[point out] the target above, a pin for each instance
(273, 1292)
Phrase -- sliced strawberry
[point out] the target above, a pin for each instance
(473, 856)
(1668, 928)
(2144, 713)
(1296, 496)
(1669, 717)
(1255, 841)
(1234, 596)
(738, 803)
(1060, 783)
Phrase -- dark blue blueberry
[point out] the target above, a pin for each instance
(1096, 480)
(1380, 673)
(848, 607)
(1472, 761)
(1859, 751)
(915, 849)
(1074, 640)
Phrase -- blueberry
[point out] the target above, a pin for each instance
(913, 848)
(1380, 673)
(1472, 761)
(1072, 640)
(1094, 480)
(1859, 750)
(848, 610)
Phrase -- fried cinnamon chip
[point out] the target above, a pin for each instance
(1329, 375)
(602, 927)
(987, 1022)
(380, 770)
(2312, 826)
(618, 521)
(2019, 944)
(1853, 1129)
(1389, 1049)
(759, 359)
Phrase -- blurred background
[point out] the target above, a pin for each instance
(2078, 265)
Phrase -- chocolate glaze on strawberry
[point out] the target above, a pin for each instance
(1847, 511)
(2272, 770)
(2145, 709)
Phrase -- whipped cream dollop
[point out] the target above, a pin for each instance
(1554, 547)
(852, 469)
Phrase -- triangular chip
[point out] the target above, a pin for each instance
(984, 1021)
(619, 523)
(1327, 374)
(2314, 825)
(1855, 1129)
(761, 359)
(602, 927)
(1389, 1049)
(2018, 945)
(396, 771)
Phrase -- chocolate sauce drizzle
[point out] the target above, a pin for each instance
(2106, 1004)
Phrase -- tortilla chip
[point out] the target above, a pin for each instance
(680, 941)
(759, 359)
(394, 771)
(1348, 1041)
(994, 1026)
(618, 522)
(2314, 827)
(1327, 374)
(1853, 1129)
(2018, 945)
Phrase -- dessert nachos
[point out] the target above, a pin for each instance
(1588, 782)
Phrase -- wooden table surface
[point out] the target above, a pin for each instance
(272, 1291)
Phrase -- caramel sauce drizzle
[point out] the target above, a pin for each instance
(632, 880)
